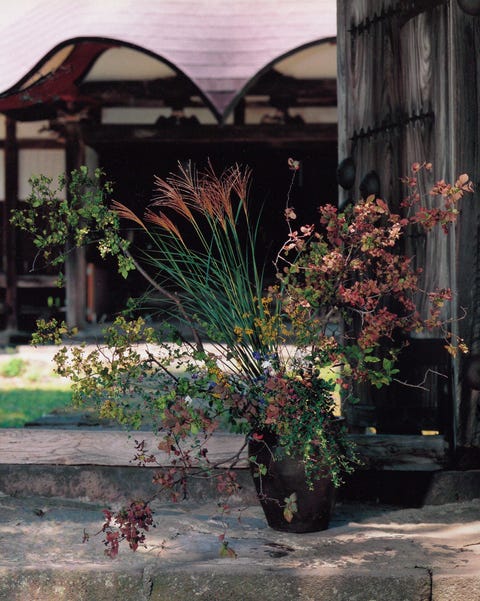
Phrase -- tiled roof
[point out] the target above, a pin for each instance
(219, 44)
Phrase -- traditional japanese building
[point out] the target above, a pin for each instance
(134, 87)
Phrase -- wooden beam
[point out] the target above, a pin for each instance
(165, 91)
(401, 452)
(9, 233)
(75, 263)
(177, 91)
(117, 448)
(36, 144)
(403, 11)
(267, 135)
(31, 281)
(295, 91)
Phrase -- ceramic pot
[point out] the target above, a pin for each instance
(284, 477)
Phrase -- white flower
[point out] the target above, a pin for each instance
(268, 368)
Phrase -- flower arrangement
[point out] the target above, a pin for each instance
(261, 359)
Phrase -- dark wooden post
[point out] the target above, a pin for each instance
(464, 140)
(9, 234)
(75, 264)
(239, 112)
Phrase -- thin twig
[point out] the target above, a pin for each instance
(421, 384)
(159, 364)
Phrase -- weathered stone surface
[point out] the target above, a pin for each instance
(69, 585)
(117, 483)
(106, 484)
(453, 486)
(456, 587)
(370, 553)
(249, 583)
(208, 583)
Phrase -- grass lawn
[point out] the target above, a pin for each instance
(20, 405)
(29, 389)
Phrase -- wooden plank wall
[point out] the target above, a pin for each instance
(394, 100)
(465, 137)
(408, 91)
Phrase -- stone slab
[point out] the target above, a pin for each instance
(117, 483)
(460, 586)
(370, 552)
(107, 484)
(248, 583)
(70, 585)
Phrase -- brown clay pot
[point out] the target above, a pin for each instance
(284, 477)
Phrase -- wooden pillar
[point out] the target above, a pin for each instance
(9, 233)
(463, 138)
(239, 112)
(75, 263)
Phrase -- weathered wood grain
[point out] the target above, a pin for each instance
(117, 448)
(93, 447)
(402, 452)
(462, 138)
(398, 68)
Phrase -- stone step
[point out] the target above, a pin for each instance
(120, 483)
(369, 553)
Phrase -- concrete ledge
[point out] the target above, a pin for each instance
(412, 489)
(205, 583)
(70, 585)
(246, 583)
(111, 484)
(106, 484)
(450, 486)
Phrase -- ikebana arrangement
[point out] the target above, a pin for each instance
(267, 361)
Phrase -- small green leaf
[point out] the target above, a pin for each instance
(227, 551)
(290, 507)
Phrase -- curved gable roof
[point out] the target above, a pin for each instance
(219, 44)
